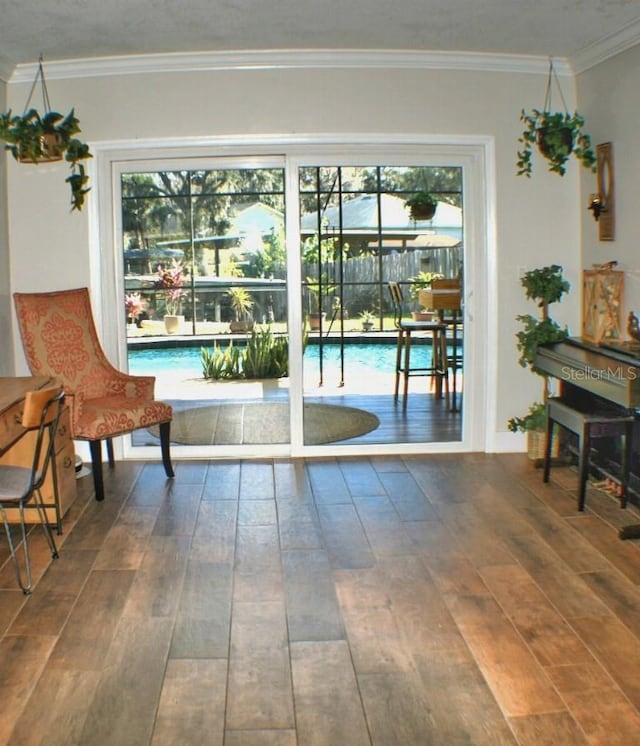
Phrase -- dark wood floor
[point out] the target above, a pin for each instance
(425, 600)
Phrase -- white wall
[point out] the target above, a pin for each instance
(609, 100)
(537, 220)
(6, 357)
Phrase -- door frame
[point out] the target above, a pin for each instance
(476, 157)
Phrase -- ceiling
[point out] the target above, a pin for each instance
(77, 29)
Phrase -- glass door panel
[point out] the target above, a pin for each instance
(205, 284)
(357, 234)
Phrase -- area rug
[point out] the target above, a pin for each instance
(266, 422)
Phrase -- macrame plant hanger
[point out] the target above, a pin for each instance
(49, 142)
(553, 77)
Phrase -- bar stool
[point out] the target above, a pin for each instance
(439, 368)
(587, 423)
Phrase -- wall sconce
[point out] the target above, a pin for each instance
(602, 202)
(596, 205)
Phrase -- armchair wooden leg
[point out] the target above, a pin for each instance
(165, 440)
(95, 447)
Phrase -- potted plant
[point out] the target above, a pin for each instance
(422, 281)
(368, 320)
(422, 205)
(35, 138)
(316, 290)
(545, 286)
(241, 305)
(134, 305)
(170, 280)
(557, 135)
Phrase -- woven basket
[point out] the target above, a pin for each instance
(535, 444)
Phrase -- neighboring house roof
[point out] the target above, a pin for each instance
(360, 215)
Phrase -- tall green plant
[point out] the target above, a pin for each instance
(545, 286)
(265, 356)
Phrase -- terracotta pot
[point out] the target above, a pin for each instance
(314, 320)
(241, 327)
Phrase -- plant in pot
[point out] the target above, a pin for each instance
(367, 319)
(545, 286)
(557, 135)
(422, 281)
(32, 137)
(422, 205)
(316, 290)
(170, 281)
(241, 304)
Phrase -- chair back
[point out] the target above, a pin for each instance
(60, 339)
(397, 300)
(42, 409)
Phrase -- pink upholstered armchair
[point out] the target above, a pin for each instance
(60, 339)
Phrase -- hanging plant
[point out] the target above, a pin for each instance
(36, 138)
(422, 206)
(557, 134)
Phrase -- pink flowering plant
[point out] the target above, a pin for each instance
(134, 305)
(171, 280)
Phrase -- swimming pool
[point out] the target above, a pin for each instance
(359, 359)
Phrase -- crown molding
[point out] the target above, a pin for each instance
(289, 59)
(606, 47)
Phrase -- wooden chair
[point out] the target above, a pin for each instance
(60, 339)
(20, 485)
(438, 370)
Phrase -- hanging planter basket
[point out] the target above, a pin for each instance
(422, 206)
(34, 138)
(423, 212)
(557, 135)
(555, 143)
(48, 150)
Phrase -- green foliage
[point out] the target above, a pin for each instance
(265, 356)
(421, 281)
(536, 333)
(221, 363)
(546, 285)
(534, 419)
(558, 135)
(272, 260)
(421, 200)
(28, 137)
(241, 302)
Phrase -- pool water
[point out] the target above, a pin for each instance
(359, 360)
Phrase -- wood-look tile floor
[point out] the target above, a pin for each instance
(446, 600)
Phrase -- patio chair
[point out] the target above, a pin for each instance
(20, 485)
(439, 368)
(60, 339)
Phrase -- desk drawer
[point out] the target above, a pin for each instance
(10, 425)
